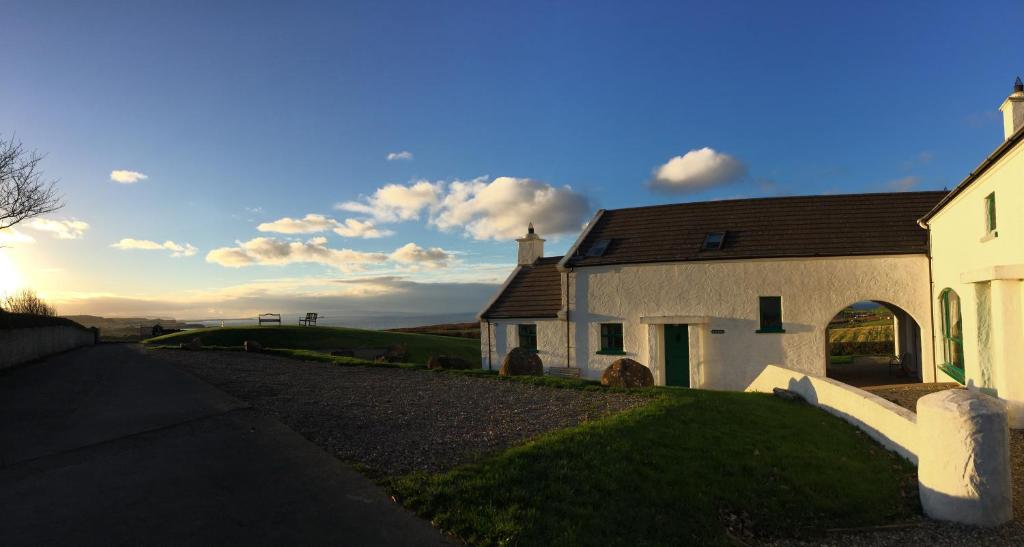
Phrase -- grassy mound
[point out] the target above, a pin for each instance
(692, 467)
(421, 346)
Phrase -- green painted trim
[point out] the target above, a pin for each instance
(770, 331)
(610, 352)
(953, 371)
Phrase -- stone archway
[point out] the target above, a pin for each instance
(873, 342)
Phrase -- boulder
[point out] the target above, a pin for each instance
(627, 373)
(193, 344)
(252, 346)
(787, 395)
(395, 354)
(449, 362)
(520, 362)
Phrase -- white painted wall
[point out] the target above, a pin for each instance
(505, 336)
(986, 273)
(23, 345)
(726, 293)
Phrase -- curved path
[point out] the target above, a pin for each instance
(106, 446)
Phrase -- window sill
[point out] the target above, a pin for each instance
(989, 236)
(953, 372)
(770, 331)
(610, 352)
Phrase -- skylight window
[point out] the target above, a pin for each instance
(713, 241)
(598, 248)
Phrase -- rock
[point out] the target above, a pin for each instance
(193, 344)
(252, 346)
(627, 373)
(449, 362)
(343, 353)
(787, 395)
(520, 362)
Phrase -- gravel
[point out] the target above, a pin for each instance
(392, 420)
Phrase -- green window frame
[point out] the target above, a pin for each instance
(528, 336)
(990, 213)
(952, 335)
(770, 314)
(611, 339)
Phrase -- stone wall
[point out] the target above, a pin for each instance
(19, 346)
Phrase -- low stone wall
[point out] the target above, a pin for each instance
(19, 346)
(959, 440)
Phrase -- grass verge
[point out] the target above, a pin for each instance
(690, 467)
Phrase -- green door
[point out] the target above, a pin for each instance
(677, 356)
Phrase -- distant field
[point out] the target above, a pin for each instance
(871, 333)
(420, 346)
(460, 330)
(123, 328)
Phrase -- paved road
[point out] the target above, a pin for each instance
(106, 446)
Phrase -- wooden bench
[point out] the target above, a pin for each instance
(269, 318)
(564, 372)
(309, 321)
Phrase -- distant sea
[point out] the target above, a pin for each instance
(358, 321)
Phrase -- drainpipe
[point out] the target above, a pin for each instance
(931, 303)
(568, 360)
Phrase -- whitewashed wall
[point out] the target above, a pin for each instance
(986, 274)
(726, 293)
(19, 346)
(505, 336)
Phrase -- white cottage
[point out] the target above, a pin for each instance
(707, 294)
(977, 247)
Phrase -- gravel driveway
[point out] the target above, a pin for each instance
(397, 420)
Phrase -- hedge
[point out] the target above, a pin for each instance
(862, 348)
(11, 321)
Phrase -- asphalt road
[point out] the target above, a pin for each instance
(106, 446)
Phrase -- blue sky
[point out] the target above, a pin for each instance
(241, 114)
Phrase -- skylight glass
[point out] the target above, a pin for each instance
(713, 241)
(599, 247)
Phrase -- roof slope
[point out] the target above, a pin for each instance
(802, 226)
(536, 291)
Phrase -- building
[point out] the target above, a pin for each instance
(977, 248)
(707, 294)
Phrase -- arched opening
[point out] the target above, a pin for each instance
(873, 343)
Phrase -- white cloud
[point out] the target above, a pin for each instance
(60, 229)
(10, 236)
(271, 251)
(395, 202)
(403, 155)
(495, 209)
(697, 170)
(413, 254)
(313, 223)
(360, 228)
(308, 224)
(177, 250)
(276, 252)
(127, 177)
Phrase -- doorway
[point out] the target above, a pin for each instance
(677, 356)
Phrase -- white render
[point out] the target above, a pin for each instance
(986, 271)
(964, 468)
(504, 336)
(723, 295)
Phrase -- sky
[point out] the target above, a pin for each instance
(222, 159)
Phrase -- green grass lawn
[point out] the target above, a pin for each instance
(421, 346)
(691, 467)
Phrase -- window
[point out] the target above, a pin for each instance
(611, 338)
(990, 214)
(771, 314)
(528, 337)
(713, 241)
(952, 335)
(599, 247)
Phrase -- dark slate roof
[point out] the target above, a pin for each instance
(992, 158)
(802, 226)
(536, 291)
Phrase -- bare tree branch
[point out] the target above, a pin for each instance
(24, 193)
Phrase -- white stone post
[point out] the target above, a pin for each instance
(964, 458)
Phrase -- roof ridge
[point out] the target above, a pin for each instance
(780, 198)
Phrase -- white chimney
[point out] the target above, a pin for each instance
(531, 247)
(1013, 110)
